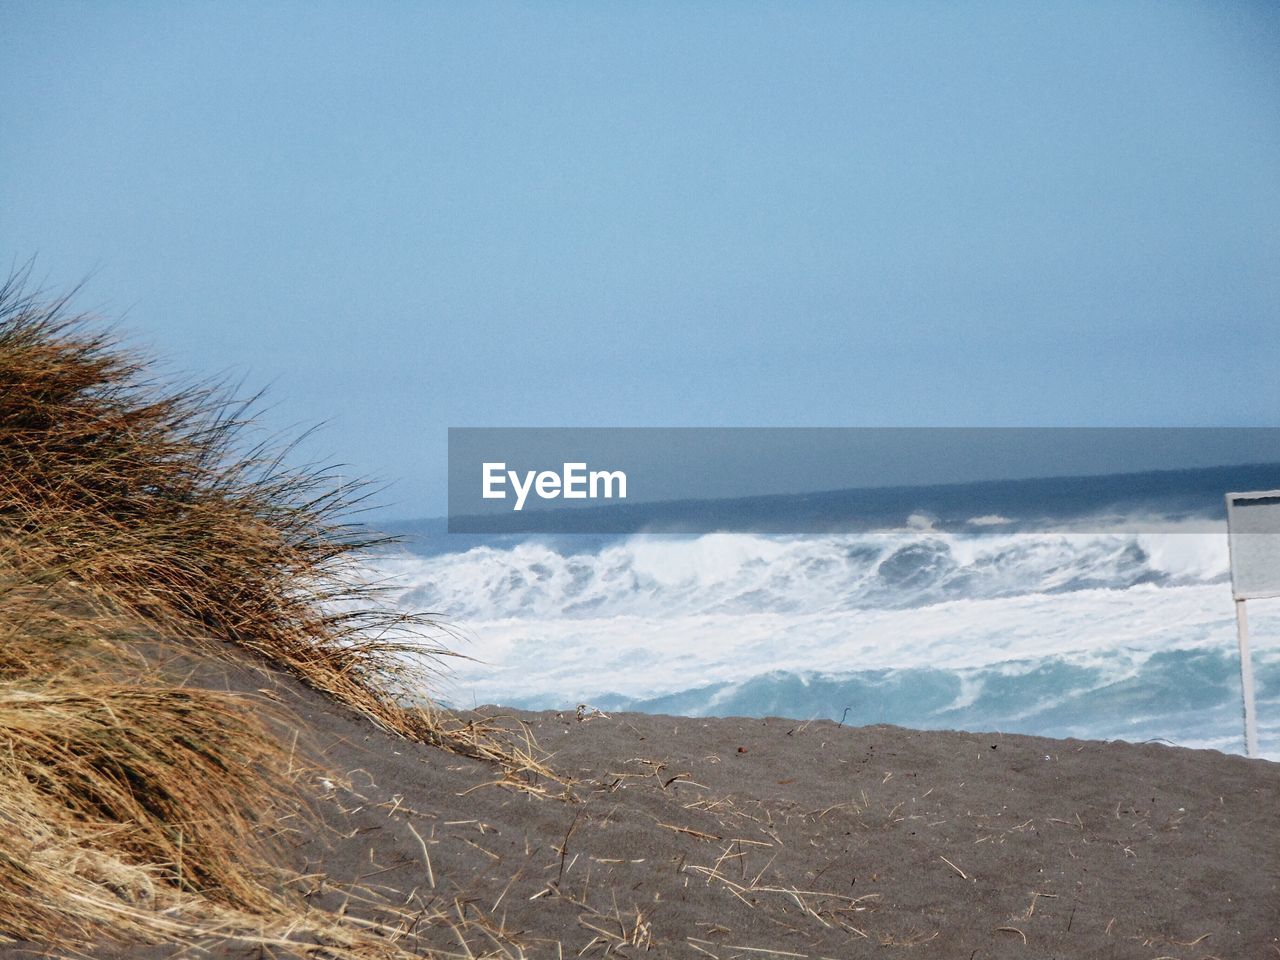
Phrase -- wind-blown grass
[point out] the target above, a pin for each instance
(151, 495)
(135, 512)
(143, 492)
(134, 808)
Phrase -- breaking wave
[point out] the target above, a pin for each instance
(1095, 635)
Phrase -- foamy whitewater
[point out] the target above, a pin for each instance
(1091, 635)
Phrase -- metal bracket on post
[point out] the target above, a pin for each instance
(1246, 681)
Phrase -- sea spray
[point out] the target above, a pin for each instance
(1071, 634)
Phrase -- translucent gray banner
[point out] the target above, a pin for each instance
(804, 480)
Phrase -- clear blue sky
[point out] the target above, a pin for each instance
(408, 216)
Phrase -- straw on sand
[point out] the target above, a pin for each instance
(134, 513)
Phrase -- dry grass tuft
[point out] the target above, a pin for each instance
(140, 491)
(152, 496)
(132, 512)
(136, 810)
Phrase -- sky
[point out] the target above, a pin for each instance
(407, 217)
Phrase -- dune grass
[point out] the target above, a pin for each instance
(137, 809)
(148, 494)
(134, 511)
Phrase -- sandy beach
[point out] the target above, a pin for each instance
(665, 481)
(739, 838)
(215, 740)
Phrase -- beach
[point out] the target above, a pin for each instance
(748, 838)
(747, 481)
(222, 737)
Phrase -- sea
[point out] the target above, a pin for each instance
(1038, 608)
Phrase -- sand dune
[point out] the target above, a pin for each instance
(771, 838)
(205, 750)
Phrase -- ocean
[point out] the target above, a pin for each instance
(1111, 620)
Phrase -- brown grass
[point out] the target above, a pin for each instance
(136, 810)
(148, 494)
(153, 496)
(131, 512)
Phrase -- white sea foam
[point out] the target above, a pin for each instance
(646, 656)
(744, 573)
(744, 622)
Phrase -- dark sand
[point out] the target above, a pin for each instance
(773, 838)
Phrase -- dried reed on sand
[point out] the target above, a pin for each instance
(135, 513)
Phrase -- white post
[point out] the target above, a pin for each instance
(1246, 681)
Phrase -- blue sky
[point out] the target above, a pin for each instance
(406, 217)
